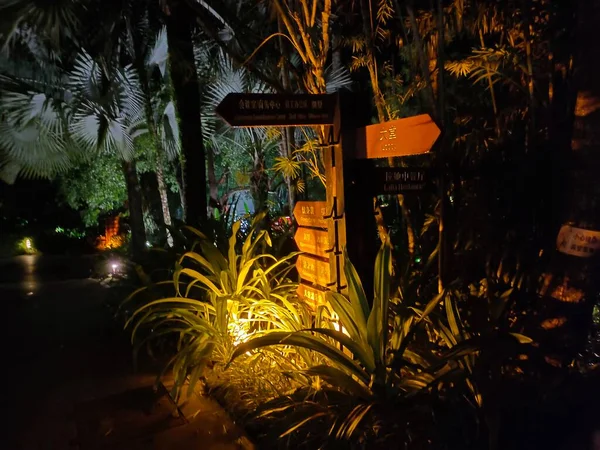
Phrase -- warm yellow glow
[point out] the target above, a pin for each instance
(239, 329)
(26, 246)
(336, 324)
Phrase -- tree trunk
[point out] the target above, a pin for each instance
(212, 181)
(259, 182)
(136, 216)
(164, 196)
(287, 133)
(571, 288)
(158, 152)
(187, 95)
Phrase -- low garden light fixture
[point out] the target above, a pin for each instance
(26, 246)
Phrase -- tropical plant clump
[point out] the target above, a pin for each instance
(343, 373)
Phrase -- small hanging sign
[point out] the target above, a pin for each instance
(578, 241)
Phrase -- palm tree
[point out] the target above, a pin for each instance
(108, 115)
(33, 142)
(187, 92)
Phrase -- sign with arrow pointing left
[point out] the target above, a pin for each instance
(277, 110)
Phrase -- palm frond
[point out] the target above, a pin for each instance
(169, 131)
(109, 110)
(58, 19)
(336, 79)
(159, 53)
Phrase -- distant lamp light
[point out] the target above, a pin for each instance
(114, 265)
(28, 244)
(148, 244)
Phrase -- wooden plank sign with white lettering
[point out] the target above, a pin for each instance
(315, 242)
(312, 296)
(311, 214)
(401, 137)
(314, 270)
(578, 241)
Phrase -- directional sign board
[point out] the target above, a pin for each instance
(315, 242)
(396, 180)
(313, 296)
(311, 214)
(313, 269)
(402, 137)
(277, 110)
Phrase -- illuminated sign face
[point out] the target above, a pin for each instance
(314, 270)
(578, 241)
(409, 136)
(315, 242)
(281, 110)
(313, 297)
(311, 214)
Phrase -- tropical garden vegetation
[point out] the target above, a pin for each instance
(472, 319)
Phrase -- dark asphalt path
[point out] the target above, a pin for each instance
(56, 329)
(62, 348)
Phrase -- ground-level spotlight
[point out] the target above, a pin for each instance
(26, 246)
(114, 266)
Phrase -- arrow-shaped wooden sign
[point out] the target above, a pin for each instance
(313, 269)
(315, 242)
(401, 137)
(311, 214)
(312, 296)
(277, 110)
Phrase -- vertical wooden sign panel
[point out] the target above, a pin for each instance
(334, 173)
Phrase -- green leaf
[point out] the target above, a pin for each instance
(196, 232)
(431, 306)
(521, 338)
(341, 380)
(452, 316)
(356, 327)
(377, 325)
(363, 353)
(232, 256)
(194, 274)
(307, 341)
(200, 260)
(355, 288)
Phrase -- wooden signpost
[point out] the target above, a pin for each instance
(401, 137)
(314, 270)
(313, 237)
(277, 110)
(323, 224)
(311, 214)
(398, 180)
(315, 242)
(313, 296)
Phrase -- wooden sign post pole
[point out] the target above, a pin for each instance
(333, 159)
(358, 191)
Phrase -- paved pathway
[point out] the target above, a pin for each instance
(68, 379)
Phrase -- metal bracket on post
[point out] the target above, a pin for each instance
(333, 214)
